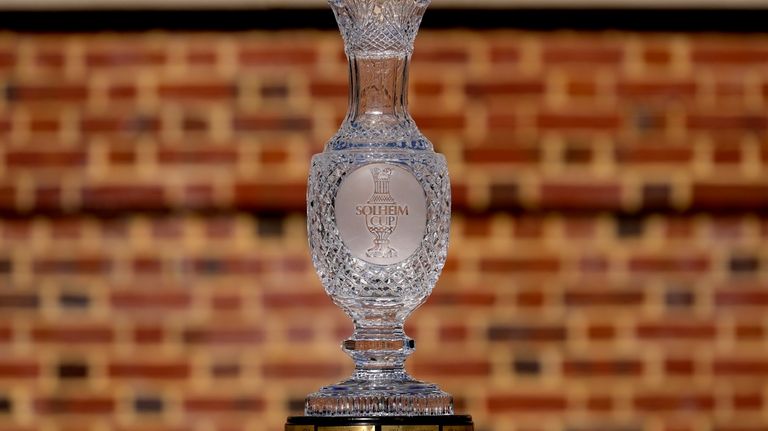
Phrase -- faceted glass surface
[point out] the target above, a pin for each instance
(380, 177)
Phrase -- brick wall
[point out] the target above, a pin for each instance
(607, 267)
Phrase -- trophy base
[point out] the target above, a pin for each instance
(383, 423)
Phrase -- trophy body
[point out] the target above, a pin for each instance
(378, 209)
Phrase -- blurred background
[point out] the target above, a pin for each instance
(608, 266)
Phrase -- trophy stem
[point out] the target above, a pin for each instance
(379, 350)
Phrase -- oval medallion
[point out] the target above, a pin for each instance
(381, 213)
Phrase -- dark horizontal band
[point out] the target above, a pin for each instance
(721, 20)
(389, 423)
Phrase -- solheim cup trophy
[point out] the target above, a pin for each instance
(378, 208)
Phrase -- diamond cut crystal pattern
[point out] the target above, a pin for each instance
(379, 27)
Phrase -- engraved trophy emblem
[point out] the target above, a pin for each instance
(381, 215)
(378, 221)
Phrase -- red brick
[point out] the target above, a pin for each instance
(749, 332)
(122, 156)
(220, 228)
(278, 196)
(505, 197)
(60, 93)
(585, 53)
(75, 405)
(440, 55)
(272, 123)
(68, 228)
(427, 88)
(741, 298)
(578, 121)
(502, 156)
(597, 403)
(202, 56)
(150, 300)
(273, 155)
(654, 154)
(81, 265)
(579, 227)
(336, 88)
(569, 196)
(460, 194)
(124, 55)
(225, 266)
(47, 198)
(71, 334)
(667, 264)
(223, 404)
(300, 334)
(224, 335)
(278, 56)
(726, 227)
(714, 196)
(7, 197)
(203, 156)
(526, 403)
(603, 297)
(6, 334)
(18, 369)
(718, 122)
(594, 265)
(50, 59)
(591, 368)
(150, 371)
(679, 367)
(674, 402)
(122, 92)
(498, 88)
(125, 124)
(7, 59)
(528, 227)
(147, 265)
(16, 230)
(676, 331)
(657, 55)
(282, 300)
(43, 123)
(228, 303)
(45, 159)
(205, 91)
(123, 197)
(582, 86)
(651, 88)
(505, 54)
(522, 264)
(525, 333)
(740, 367)
(296, 370)
(441, 122)
(530, 298)
(730, 54)
(453, 332)
(503, 122)
(463, 299)
(461, 368)
(477, 227)
(748, 401)
(148, 334)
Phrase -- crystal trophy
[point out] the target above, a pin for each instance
(378, 210)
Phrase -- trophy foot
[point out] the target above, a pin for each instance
(365, 398)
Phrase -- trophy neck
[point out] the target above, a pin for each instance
(378, 40)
